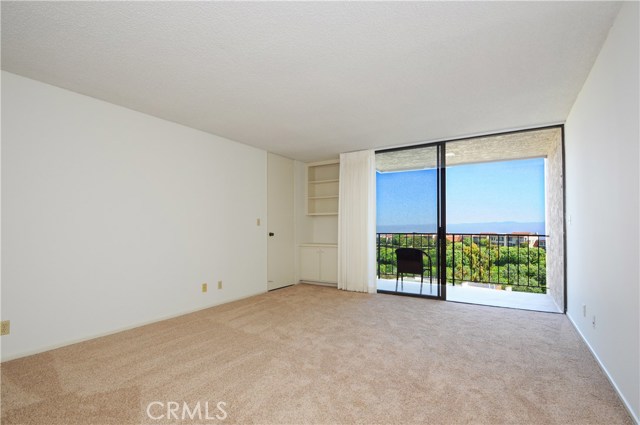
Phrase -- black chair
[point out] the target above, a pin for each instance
(411, 261)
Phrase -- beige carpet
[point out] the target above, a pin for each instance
(311, 354)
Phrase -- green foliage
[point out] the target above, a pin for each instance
(473, 259)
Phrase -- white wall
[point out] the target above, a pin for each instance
(325, 229)
(112, 218)
(602, 160)
(303, 226)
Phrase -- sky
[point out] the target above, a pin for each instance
(476, 193)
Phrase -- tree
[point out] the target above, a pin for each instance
(473, 259)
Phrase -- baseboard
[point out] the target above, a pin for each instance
(122, 329)
(633, 414)
(311, 282)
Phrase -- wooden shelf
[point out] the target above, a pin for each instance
(323, 185)
(323, 197)
(324, 181)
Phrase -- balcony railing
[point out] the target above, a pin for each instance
(509, 260)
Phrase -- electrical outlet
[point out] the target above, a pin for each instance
(204, 287)
(5, 329)
(584, 310)
(593, 322)
(257, 221)
(219, 284)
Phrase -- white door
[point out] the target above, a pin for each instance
(280, 245)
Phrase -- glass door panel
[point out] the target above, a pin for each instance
(408, 219)
(497, 237)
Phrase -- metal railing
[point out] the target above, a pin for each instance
(513, 260)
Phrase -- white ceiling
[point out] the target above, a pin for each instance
(309, 80)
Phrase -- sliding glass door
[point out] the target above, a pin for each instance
(410, 221)
(477, 220)
(504, 215)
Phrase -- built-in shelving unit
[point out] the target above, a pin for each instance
(323, 181)
(318, 251)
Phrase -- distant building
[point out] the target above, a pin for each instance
(512, 240)
(496, 239)
(540, 242)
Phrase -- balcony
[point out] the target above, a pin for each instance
(505, 270)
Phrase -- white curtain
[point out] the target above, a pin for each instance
(357, 222)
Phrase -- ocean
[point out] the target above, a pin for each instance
(496, 227)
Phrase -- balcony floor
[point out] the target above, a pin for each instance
(464, 293)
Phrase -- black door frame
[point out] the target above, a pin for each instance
(441, 219)
(442, 202)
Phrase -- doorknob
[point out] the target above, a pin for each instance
(271, 234)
